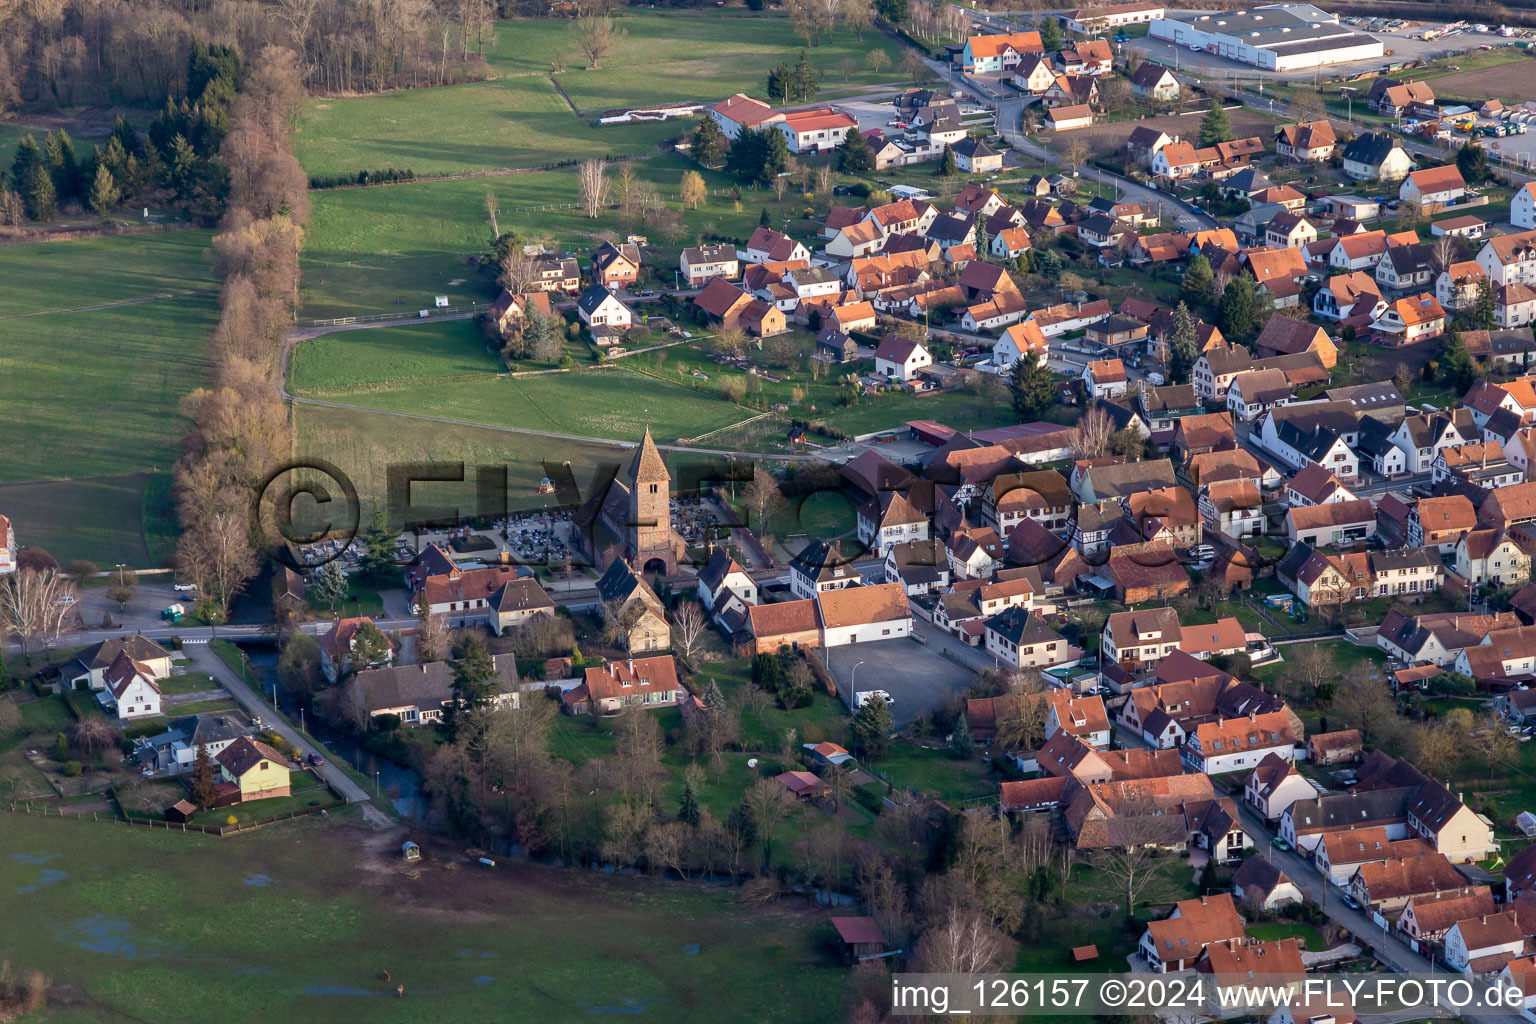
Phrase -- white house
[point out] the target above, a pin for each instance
(1433, 186)
(131, 692)
(1485, 943)
(815, 131)
(1015, 342)
(738, 112)
(1274, 785)
(1522, 208)
(598, 307)
(1105, 378)
(900, 358)
(1235, 744)
(1019, 638)
(856, 615)
(722, 581)
(1510, 259)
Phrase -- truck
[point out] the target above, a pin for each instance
(863, 697)
(174, 613)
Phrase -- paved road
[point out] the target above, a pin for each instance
(209, 662)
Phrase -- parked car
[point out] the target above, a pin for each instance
(185, 586)
(1281, 845)
(316, 760)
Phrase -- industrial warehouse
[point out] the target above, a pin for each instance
(1278, 37)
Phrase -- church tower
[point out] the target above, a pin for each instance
(649, 530)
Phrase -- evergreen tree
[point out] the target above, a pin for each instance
(126, 138)
(1198, 279)
(767, 671)
(1457, 370)
(775, 157)
(28, 156)
(1050, 33)
(329, 585)
(1183, 344)
(780, 82)
(709, 143)
(1483, 307)
(960, 742)
(746, 155)
(42, 199)
(59, 151)
(807, 80)
(688, 809)
(983, 243)
(1237, 307)
(893, 11)
(1031, 388)
(203, 793)
(1472, 162)
(104, 193)
(1215, 126)
(872, 728)
(1021, 262)
(947, 166)
(369, 646)
(763, 220)
(1047, 264)
(473, 672)
(854, 155)
(181, 167)
(379, 540)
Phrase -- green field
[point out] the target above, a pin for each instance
(390, 249)
(599, 403)
(364, 443)
(519, 119)
(386, 354)
(298, 922)
(91, 394)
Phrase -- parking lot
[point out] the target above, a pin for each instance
(916, 677)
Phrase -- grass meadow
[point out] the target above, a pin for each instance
(616, 404)
(122, 919)
(91, 393)
(382, 355)
(520, 119)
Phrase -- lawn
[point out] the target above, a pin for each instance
(94, 393)
(101, 910)
(1346, 658)
(1311, 938)
(935, 773)
(520, 119)
(389, 355)
(393, 248)
(614, 403)
(104, 519)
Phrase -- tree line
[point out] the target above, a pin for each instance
(68, 53)
(240, 428)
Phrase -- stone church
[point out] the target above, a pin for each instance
(632, 518)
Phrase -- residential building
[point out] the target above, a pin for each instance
(88, 670)
(1155, 82)
(642, 683)
(616, 265)
(1105, 378)
(1433, 188)
(863, 614)
(338, 643)
(251, 770)
(900, 358)
(1376, 157)
(419, 694)
(1306, 143)
(1178, 941)
(1002, 52)
(1236, 744)
(1275, 784)
(699, 264)
(1140, 639)
(739, 111)
(1409, 321)
(815, 131)
(1020, 638)
(600, 308)
(130, 691)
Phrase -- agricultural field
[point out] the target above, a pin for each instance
(101, 911)
(387, 355)
(521, 118)
(104, 336)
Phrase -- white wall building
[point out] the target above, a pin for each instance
(1276, 37)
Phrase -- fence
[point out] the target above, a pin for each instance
(434, 313)
(124, 818)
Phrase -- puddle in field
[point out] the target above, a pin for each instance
(477, 953)
(690, 949)
(630, 1006)
(485, 979)
(111, 935)
(251, 970)
(261, 881)
(34, 858)
(48, 877)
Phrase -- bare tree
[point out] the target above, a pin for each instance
(1447, 251)
(1311, 665)
(846, 67)
(762, 496)
(1091, 436)
(216, 550)
(594, 187)
(823, 179)
(492, 205)
(34, 605)
(626, 189)
(769, 803)
(856, 16)
(911, 63)
(519, 271)
(878, 59)
(1021, 723)
(689, 624)
(693, 190)
(964, 943)
(595, 38)
(1076, 152)
(1129, 862)
(1364, 703)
